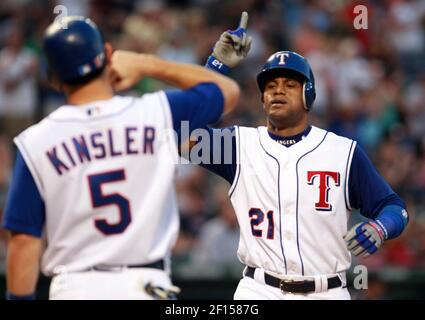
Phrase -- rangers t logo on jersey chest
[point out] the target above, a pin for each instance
(323, 183)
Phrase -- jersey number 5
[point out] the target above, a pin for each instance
(257, 218)
(99, 199)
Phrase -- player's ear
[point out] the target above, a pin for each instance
(108, 52)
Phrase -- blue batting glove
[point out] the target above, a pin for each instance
(364, 238)
(231, 48)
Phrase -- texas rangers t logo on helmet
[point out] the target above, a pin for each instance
(282, 56)
(323, 204)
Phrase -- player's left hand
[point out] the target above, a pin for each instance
(364, 238)
(233, 45)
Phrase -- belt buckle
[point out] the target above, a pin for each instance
(282, 282)
(290, 281)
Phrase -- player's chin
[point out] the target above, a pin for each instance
(279, 113)
(282, 118)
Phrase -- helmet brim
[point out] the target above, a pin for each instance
(288, 72)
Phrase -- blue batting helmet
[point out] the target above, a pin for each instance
(74, 48)
(288, 60)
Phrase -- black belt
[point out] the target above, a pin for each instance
(159, 264)
(302, 286)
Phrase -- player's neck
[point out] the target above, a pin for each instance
(287, 131)
(98, 89)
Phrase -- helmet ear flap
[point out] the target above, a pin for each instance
(304, 96)
(309, 92)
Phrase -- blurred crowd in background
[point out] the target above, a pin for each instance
(370, 87)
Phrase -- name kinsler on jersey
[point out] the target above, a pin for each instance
(99, 145)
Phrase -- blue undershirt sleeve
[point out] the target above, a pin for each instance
(372, 195)
(199, 106)
(25, 210)
(195, 107)
(216, 152)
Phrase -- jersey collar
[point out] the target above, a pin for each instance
(304, 145)
(290, 140)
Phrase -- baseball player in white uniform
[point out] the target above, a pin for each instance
(293, 187)
(96, 175)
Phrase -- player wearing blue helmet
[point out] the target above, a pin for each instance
(289, 70)
(95, 177)
(288, 61)
(294, 186)
(75, 50)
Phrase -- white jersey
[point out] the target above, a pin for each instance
(292, 203)
(105, 171)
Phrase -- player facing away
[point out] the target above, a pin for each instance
(293, 187)
(96, 175)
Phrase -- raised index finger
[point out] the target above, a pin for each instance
(244, 20)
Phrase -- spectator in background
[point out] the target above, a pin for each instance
(18, 66)
(5, 172)
(420, 245)
(193, 207)
(5, 166)
(414, 106)
(178, 48)
(146, 29)
(407, 34)
(219, 238)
